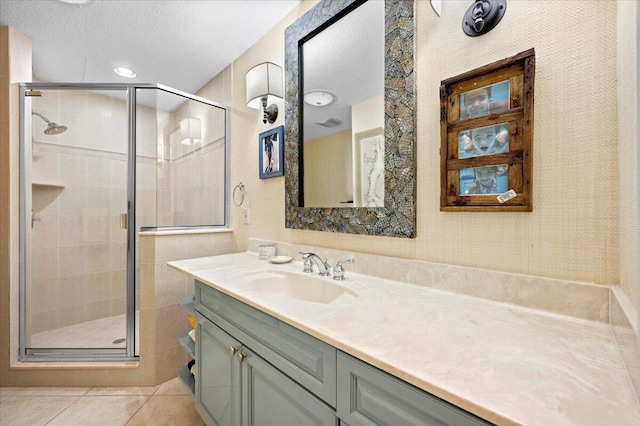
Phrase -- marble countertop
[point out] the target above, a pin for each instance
(507, 364)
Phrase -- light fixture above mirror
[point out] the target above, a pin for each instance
(264, 85)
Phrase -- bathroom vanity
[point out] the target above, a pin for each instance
(275, 345)
(257, 368)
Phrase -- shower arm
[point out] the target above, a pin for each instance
(41, 116)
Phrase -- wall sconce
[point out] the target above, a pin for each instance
(436, 5)
(190, 131)
(264, 84)
(482, 16)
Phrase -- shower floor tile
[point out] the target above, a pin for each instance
(101, 333)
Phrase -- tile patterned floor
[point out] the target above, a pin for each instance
(167, 404)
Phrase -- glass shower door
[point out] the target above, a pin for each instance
(75, 164)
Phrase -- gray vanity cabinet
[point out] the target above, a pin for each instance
(271, 398)
(370, 397)
(218, 375)
(254, 370)
(235, 386)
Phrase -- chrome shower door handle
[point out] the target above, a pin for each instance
(124, 217)
(34, 218)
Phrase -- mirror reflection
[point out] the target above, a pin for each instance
(343, 110)
(377, 195)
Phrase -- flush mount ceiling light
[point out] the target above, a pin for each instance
(482, 16)
(264, 86)
(319, 98)
(125, 72)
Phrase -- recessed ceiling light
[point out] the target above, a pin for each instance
(125, 72)
(319, 98)
(78, 3)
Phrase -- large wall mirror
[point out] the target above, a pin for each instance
(350, 118)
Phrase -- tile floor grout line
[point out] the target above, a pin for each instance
(139, 408)
(65, 409)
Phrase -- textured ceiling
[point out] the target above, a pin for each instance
(181, 44)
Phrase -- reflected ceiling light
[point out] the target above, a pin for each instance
(319, 98)
(125, 72)
(264, 86)
(190, 131)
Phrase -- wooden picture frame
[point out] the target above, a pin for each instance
(271, 153)
(486, 127)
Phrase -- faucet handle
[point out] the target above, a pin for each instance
(307, 266)
(338, 270)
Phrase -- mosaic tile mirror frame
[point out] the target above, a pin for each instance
(398, 216)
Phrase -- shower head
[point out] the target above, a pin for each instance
(52, 128)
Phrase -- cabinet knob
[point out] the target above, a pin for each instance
(241, 356)
(232, 350)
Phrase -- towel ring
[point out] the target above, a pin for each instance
(238, 200)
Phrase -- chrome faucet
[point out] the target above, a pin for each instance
(323, 265)
(338, 270)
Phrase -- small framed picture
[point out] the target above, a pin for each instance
(369, 168)
(271, 153)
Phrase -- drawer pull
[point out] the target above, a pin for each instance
(241, 356)
(232, 350)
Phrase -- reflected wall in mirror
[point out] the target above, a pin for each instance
(351, 162)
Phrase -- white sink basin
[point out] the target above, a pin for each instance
(308, 288)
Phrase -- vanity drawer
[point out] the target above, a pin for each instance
(307, 360)
(370, 397)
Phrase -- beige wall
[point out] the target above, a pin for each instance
(328, 177)
(628, 141)
(572, 232)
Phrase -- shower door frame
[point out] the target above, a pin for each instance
(96, 354)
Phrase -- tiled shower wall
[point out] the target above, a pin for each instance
(78, 248)
(197, 187)
(191, 178)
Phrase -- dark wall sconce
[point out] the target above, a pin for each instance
(482, 16)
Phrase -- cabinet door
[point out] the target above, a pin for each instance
(271, 398)
(370, 397)
(218, 376)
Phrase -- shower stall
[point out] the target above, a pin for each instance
(98, 164)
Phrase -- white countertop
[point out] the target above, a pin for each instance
(504, 363)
